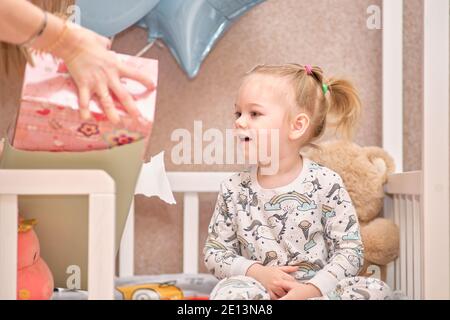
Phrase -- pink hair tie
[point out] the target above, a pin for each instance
(308, 69)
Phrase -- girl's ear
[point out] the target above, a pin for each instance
(298, 126)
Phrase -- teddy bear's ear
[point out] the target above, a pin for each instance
(382, 161)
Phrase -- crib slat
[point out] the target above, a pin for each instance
(409, 246)
(397, 222)
(388, 213)
(406, 212)
(190, 232)
(8, 246)
(403, 282)
(417, 249)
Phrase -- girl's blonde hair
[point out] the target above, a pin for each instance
(328, 102)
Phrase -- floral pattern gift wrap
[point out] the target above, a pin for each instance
(49, 119)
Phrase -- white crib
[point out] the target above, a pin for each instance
(399, 185)
(403, 204)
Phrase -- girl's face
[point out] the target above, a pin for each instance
(261, 111)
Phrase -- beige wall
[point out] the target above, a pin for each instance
(329, 33)
(413, 84)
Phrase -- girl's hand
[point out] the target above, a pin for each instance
(96, 70)
(299, 291)
(270, 276)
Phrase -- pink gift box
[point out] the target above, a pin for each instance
(49, 119)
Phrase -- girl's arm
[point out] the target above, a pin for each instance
(344, 242)
(222, 251)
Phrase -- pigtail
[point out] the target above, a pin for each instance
(332, 103)
(344, 106)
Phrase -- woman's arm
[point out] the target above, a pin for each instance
(20, 21)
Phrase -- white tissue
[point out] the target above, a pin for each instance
(153, 180)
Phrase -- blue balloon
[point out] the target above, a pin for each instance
(190, 28)
(109, 17)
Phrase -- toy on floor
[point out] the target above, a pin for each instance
(156, 291)
(151, 291)
(34, 279)
(364, 171)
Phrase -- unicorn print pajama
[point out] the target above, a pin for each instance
(310, 223)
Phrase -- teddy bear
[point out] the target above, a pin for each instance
(364, 171)
(34, 278)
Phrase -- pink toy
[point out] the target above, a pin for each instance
(34, 279)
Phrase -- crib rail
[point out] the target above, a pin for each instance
(403, 204)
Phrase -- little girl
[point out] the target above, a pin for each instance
(293, 234)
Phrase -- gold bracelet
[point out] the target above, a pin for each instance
(59, 39)
(57, 43)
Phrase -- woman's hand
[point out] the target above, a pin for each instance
(269, 277)
(299, 291)
(97, 70)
